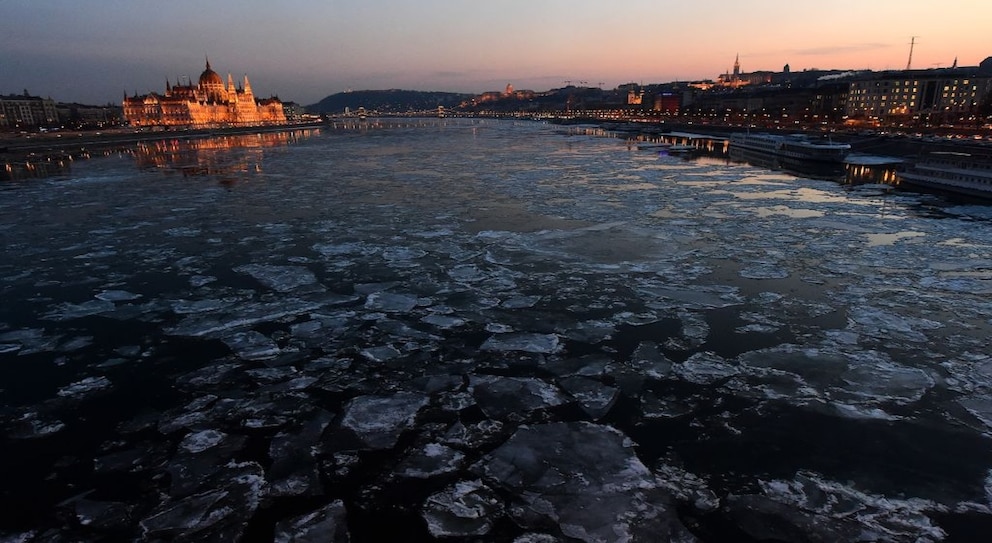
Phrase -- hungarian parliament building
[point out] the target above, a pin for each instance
(208, 104)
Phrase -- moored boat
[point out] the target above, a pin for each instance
(956, 172)
(793, 146)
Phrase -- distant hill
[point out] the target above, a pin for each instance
(387, 101)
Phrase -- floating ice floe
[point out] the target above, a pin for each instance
(68, 311)
(85, 387)
(117, 296)
(705, 368)
(279, 278)
(521, 341)
(251, 345)
(883, 324)
(378, 421)
(431, 460)
(220, 514)
(467, 508)
(329, 524)
(595, 398)
(502, 397)
(585, 479)
(391, 303)
(832, 511)
(294, 452)
(209, 324)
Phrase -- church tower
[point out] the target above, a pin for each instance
(737, 66)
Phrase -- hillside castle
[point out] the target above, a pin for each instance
(210, 103)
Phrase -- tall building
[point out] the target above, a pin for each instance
(953, 90)
(209, 103)
(27, 111)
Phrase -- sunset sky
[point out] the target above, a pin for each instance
(92, 51)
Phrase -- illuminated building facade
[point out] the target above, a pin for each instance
(739, 79)
(209, 103)
(27, 111)
(909, 92)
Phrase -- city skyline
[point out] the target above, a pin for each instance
(79, 52)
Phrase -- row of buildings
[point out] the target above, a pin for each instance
(942, 95)
(210, 102)
(894, 97)
(24, 111)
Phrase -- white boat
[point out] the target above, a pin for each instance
(793, 146)
(956, 172)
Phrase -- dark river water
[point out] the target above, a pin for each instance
(480, 330)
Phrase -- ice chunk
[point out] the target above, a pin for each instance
(117, 296)
(884, 325)
(467, 508)
(390, 302)
(248, 315)
(219, 514)
(198, 442)
(874, 377)
(381, 353)
(186, 307)
(201, 457)
(429, 461)
(329, 524)
(279, 278)
(980, 407)
(583, 477)
(520, 302)
(705, 369)
(378, 421)
(69, 311)
(531, 343)
(252, 345)
(32, 425)
(831, 511)
(649, 361)
(475, 436)
(85, 387)
(501, 397)
(444, 322)
(294, 470)
(764, 270)
(595, 398)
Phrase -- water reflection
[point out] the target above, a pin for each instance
(229, 156)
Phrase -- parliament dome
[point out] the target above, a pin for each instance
(210, 77)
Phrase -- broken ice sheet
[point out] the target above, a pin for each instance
(431, 460)
(85, 387)
(279, 278)
(219, 514)
(522, 341)
(329, 524)
(878, 323)
(378, 421)
(595, 398)
(69, 311)
(836, 504)
(705, 368)
(391, 303)
(583, 477)
(251, 345)
(467, 508)
(117, 296)
(502, 397)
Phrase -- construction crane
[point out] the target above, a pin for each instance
(912, 42)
